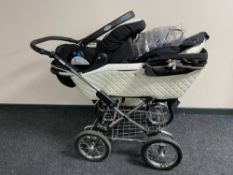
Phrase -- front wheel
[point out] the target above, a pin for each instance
(93, 145)
(161, 152)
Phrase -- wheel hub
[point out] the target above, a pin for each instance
(91, 147)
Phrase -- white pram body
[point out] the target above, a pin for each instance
(123, 82)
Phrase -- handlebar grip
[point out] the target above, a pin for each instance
(34, 43)
(38, 49)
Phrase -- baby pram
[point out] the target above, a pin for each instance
(135, 89)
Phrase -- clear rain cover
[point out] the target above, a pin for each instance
(159, 37)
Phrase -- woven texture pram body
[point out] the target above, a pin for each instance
(136, 84)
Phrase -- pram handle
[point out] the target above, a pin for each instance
(34, 43)
(107, 27)
(100, 94)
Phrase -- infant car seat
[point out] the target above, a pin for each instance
(116, 47)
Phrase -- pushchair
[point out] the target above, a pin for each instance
(135, 88)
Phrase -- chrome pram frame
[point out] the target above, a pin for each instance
(137, 123)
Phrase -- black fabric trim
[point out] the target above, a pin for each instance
(168, 50)
(157, 66)
(194, 40)
(119, 35)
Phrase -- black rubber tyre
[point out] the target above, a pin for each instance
(163, 140)
(98, 136)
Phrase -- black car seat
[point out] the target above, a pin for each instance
(116, 47)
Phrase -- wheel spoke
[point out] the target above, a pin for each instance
(97, 151)
(84, 142)
(83, 147)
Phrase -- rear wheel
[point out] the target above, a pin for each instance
(161, 152)
(93, 145)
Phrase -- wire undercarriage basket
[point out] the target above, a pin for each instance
(153, 119)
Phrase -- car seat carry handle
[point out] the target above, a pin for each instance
(34, 43)
(107, 27)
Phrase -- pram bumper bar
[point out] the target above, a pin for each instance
(42, 51)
